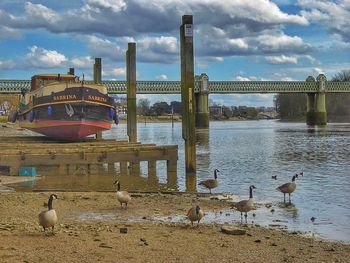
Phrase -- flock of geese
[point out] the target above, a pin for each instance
(48, 218)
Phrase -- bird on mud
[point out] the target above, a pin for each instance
(49, 218)
(122, 196)
(245, 206)
(211, 183)
(195, 214)
(288, 188)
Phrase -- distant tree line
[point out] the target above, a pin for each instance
(293, 106)
(158, 109)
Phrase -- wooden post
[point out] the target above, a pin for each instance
(98, 80)
(187, 92)
(172, 174)
(123, 168)
(131, 91)
(98, 71)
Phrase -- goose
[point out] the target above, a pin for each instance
(246, 205)
(195, 214)
(288, 188)
(122, 196)
(49, 218)
(211, 183)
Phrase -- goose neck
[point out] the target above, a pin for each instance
(50, 203)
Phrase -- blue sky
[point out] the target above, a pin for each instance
(233, 40)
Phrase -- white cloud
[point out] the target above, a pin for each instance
(114, 73)
(7, 32)
(43, 58)
(333, 15)
(105, 48)
(282, 59)
(7, 64)
(115, 5)
(162, 77)
(241, 78)
(82, 62)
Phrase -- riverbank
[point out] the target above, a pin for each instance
(91, 224)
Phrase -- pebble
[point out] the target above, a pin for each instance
(123, 230)
(230, 230)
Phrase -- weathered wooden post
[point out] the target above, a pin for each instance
(131, 91)
(202, 102)
(131, 99)
(187, 92)
(316, 103)
(98, 71)
(98, 80)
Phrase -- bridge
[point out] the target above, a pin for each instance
(214, 87)
(314, 88)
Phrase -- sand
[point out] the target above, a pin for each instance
(90, 225)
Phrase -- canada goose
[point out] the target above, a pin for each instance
(211, 183)
(246, 205)
(122, 196)
(195, 214)
(49, 218)
(288, 188)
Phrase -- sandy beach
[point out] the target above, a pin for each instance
(90, 225)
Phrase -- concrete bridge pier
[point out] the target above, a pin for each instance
(202, 102)
(316, 103)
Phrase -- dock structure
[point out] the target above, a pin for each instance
(19, 152)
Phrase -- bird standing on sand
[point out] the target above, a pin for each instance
(245, 206)
(211, 183)
(195, 214)
(122, 196)
(288, 188)
(49, 218)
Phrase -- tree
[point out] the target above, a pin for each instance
(338, 103)
(143, 107)
(176, 106)
(160, 108)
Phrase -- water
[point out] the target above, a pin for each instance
(246, 153)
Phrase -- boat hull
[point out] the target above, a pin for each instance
(66, 130)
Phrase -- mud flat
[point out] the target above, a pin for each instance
(93, 228)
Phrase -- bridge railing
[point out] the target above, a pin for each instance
(219, 87)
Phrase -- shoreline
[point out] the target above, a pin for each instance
(90, 223)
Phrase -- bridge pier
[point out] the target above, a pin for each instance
(202, 102)
(316, 103)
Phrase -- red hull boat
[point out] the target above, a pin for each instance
(62, 107)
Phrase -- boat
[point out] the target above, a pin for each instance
(61, 106)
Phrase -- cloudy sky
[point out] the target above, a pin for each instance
(233, 39)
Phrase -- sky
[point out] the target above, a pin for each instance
(233, 40)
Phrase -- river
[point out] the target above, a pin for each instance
(251, 152)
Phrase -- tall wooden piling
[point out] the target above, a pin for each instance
(98, 71)
(131, 91)
(98, 80)
(187, 92)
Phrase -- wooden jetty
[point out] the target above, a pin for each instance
(25, 151)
